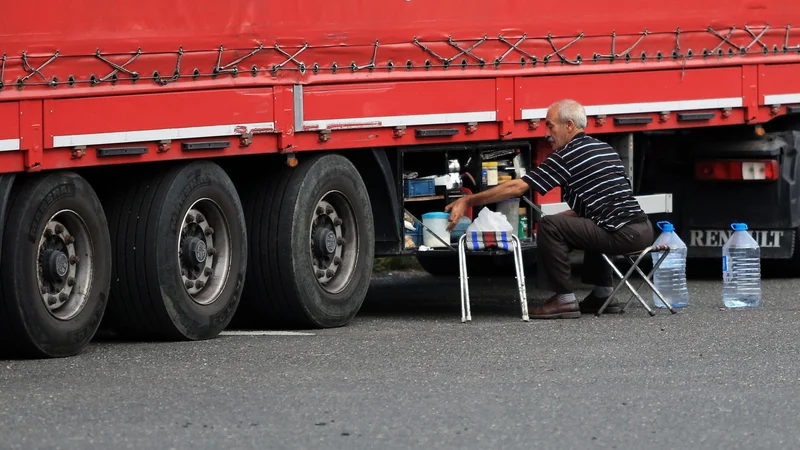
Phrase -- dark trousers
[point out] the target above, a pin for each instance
(558, 234)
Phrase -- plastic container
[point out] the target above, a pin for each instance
(460, 229)
(670, 277)
(437, 222)
(510, 209)
(522, 233)
(490, 167)
(741, 269)
(416, 235)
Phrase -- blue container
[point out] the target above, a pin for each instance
(420, 188)
(460, 229)
(670, 277)
(416, 235)
(741, 269)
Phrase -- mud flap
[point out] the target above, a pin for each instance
(6, 183)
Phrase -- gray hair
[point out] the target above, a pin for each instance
(571, 110)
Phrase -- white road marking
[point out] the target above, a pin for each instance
(265, 333)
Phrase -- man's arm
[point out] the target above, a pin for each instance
(505, 191)
(543, 178)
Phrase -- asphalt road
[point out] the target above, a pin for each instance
(407, 374)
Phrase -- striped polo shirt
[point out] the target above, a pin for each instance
(592, 180)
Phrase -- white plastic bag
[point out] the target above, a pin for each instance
(489, 220)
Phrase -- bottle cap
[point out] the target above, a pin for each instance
(665, 226)
(739, 226)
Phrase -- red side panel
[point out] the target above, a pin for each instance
(633, 92)
(155, 117)
(779, 84)
(399, 104)
(9, 126)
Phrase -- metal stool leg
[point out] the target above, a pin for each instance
(647, 279)
(466, 315)
(519, 265)
(619, 286)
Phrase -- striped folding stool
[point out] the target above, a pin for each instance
(479, 241)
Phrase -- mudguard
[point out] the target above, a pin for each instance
(6, 183)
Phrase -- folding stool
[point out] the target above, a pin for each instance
(486, 240)
(646, 278)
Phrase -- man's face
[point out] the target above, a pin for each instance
(557, 133)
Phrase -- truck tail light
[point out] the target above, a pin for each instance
(737, 170)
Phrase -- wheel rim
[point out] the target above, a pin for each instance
(334, 244)
(204, 251)
(65, 260)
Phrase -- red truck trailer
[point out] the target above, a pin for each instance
(166, 166)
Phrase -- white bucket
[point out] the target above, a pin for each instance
(437, 222)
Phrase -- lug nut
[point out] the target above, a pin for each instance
(69, 239)
(63, 297)
(74, 259)
(320, 211)
(340, 241)
(337, 260)
(190, 218)
(207, 271)
(199, 284)
(59, 229)
(212, 251)
(329, 209)
(52, 300)
(329, 273)
(189, 284)
(200, 218)
(337, 222)
(320, 274)
(71, 281)
(209, 231)
(48, 233)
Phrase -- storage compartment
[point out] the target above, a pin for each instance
(435, 176)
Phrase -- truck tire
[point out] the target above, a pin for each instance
(312, 244)
(180, 254)
(55, 267)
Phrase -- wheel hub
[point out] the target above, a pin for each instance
(64, 264)
(332, 248)
(204, 251)
(195, 251)
(325, 239)
(57, 265)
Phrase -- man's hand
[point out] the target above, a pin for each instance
(457, 209)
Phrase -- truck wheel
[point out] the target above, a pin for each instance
(180, 254)
(311, 230)
(55, 267)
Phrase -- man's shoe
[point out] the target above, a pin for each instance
(555, 309)
(591, 304)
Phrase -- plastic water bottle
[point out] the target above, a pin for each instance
(741, 269)
(670, 277)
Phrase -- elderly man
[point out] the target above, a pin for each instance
(604, 215)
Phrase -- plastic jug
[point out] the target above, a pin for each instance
(741, 269)
(670, 277)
